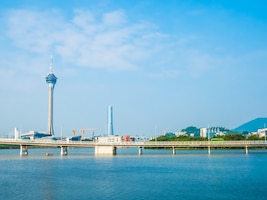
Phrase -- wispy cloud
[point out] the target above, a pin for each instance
(108, 42)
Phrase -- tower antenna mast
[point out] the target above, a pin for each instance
(51, 65)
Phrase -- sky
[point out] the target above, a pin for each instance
(162, 65)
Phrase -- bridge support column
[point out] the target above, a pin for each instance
(246, 150)
(105, 150)
(23, 150)
(114, 150)
(173, 151)
(209, 150)
(140, 150)
(63, 151)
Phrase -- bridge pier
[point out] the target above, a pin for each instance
(246, 150)
(209, 150)
(140, 150)
(63, 151)
(105, 150)
(23, 150)
(173, 151)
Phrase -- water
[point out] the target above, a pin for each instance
(155, 175)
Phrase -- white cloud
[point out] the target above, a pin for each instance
(32, 30)
(114, 18)
(108, 42)
(82, 18)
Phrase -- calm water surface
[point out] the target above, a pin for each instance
(157, 174)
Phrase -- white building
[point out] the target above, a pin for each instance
(262, 132)
(16, 134)
(203, 132)
(109, 139)
(180, 133)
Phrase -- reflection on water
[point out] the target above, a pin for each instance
(154, 175)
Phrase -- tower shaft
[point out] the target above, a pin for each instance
(50, 129)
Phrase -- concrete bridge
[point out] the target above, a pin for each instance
(110, 148)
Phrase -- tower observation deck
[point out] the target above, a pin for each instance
(51, 80)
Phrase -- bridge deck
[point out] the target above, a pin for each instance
(86, 144)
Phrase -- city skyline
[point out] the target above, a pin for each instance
(167, 65)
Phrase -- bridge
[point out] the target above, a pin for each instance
(110, 148)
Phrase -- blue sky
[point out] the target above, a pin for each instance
(162, 65)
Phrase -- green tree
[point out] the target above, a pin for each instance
(254, 137)
(191, 129)
(236, 136)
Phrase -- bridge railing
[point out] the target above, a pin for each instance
(137, 143)
(187, 143)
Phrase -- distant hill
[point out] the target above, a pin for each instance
(252, 125)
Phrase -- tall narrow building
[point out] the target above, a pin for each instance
(110, 121)
(51, 80)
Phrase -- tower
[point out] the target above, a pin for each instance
(51, 80)
(110, 120)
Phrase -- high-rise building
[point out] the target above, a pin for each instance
(110, 120)
(203, 132)
(51, 80)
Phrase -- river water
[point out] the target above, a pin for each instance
(157, 174)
